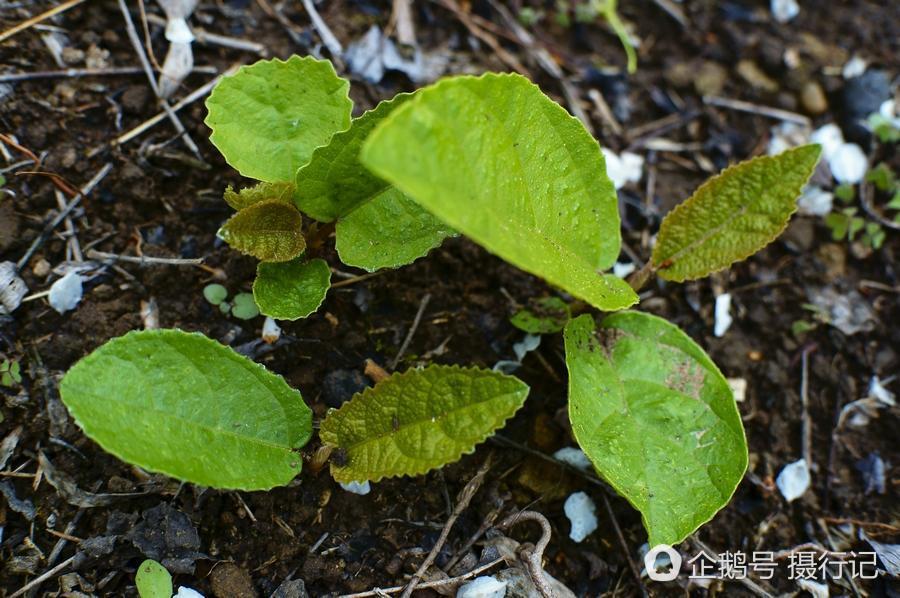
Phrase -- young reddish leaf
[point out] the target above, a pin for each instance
(269, 231)
(248, 196)
(732, 215)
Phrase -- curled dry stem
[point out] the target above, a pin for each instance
(532, 555)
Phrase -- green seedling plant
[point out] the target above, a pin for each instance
(10, 373)
(242, 306)
(491, 158)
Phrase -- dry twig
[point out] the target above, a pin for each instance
(462, 502)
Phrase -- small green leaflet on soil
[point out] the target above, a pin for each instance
(416, 421)
(377, 226)
(388, 232)
(184, 405)
(732, 215)
(500, 162)
(656, 418)
(269, 117)
(283, 192)
(153, 581)
(291, 290)
(270, 231)
(542, 316)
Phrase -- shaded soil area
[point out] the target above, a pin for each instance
(159, 200)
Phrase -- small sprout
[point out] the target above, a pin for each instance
(10, 374)
(244, 307)
(542, 316)
(153, 581)
(215, 293)
(844, 192)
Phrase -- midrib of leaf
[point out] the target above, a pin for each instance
(506, 136)
(419, 422)
(709, 234)
(204, 375)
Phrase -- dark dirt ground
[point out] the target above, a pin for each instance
(157, 200)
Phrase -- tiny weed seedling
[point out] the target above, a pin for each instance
(488, 157)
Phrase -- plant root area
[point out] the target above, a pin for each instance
(814, 319)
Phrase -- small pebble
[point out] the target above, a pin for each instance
(361, 488)
(723, 314)
(582, 514)
(815, 201)
(784, 10)
(482, 587)
(829, 137)
(623, 168)
(793, 480)
(848, 164)
(738, 388)
(66, 293)
(574, 457)
(623, 269)
(854, 67)
(184, 592)
(812, 96)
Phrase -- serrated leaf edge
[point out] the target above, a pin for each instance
(335, 471)
(709, 182)
(244, 67)
(294, 319)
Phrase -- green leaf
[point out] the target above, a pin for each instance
(334, 183)
(270, 231)
(153, 581)
(497, 160)
(269, 117)
(184, 405)
(732, 215)
(244, 307)
(656, 418)
(389, 231)
(291, 290)
(283, 192)
(542, 316)
(378, 226)
(215, 293)
(416, 421)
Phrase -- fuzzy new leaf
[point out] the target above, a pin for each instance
(416, 421)
(291, 290)
(184, 405)
(248, 196)
(656, 418)
(270, 231)
(269, 117)
(497, 160)
(732, 215)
